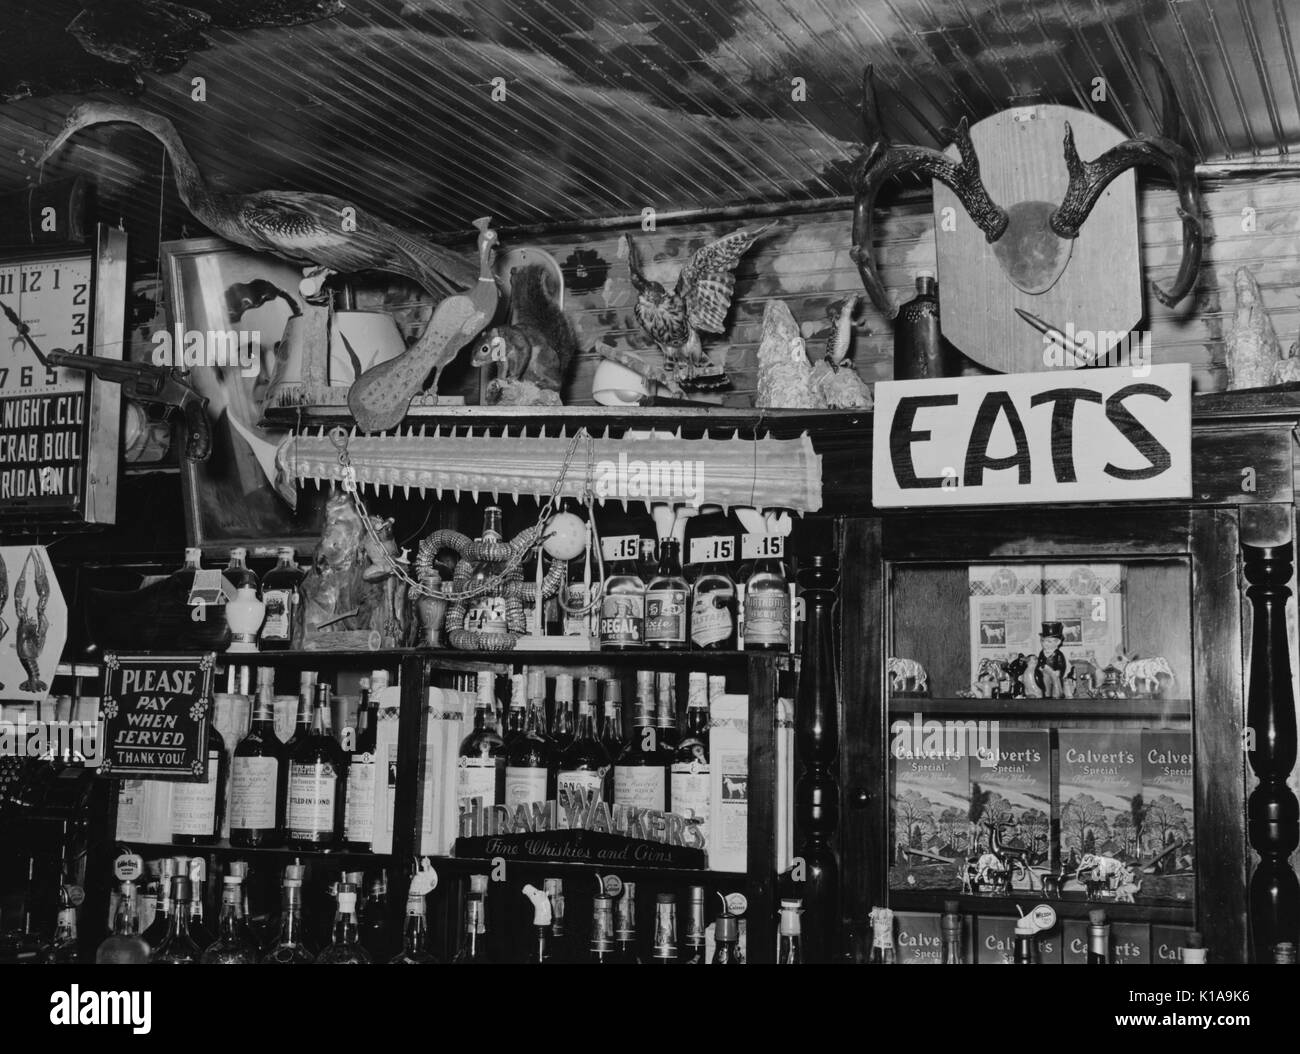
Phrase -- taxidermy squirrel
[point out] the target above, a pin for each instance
(534, 352)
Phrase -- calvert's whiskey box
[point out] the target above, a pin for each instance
(995, 940)
(1167, 943)
(1168, 807)
(1100, 783)
(1049, 947)
(918, 939)
(1130, 942)
(930, 803)
(1074, 942)
(1018, 789)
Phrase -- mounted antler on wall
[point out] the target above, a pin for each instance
(1009, 256)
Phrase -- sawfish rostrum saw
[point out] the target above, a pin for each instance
(650, 467)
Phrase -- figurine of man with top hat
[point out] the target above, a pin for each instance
(1050, 672)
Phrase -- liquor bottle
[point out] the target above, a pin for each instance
(1098, 938)
(232, 946)
(530, 757)
(666, 711)
(363, 776)
(157, 929)
(640, 773)
(306, 708)
(124, 944)
(376, 922)
(515, 715)
(693, 953)
(920, 350)
(345, 947)
(199, 808)
(562, 717)
(473, 948)
(711, 552)
(950, 930)
(539, 951)
(237, 571)
(281, 596)
(200, 932)
(249, 926)
(65, 948)
(178, 946)
(256, 806)
(622, 609)
(882, 936)
(688, 789)
(317, 784)
(245, 613)
(583, 765)
(767, 607)
(789, 948)
(611, 730)
(726, 934)
(482, 766)
(487, 612)
(290, 947)
(1025, 950)
(625, 926)
(415, 935)
(665, 931)
(666, 600)
(558, 941)
(602, 929)
(1193, 953)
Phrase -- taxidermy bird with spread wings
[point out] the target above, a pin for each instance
(317, 231)
(699, 302)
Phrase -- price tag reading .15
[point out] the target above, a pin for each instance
(621, 547)
(755, 546)
(719, 549)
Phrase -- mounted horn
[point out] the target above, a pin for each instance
(881, 160)
(1089, 178)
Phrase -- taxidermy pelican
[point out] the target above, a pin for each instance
(306, 229)
(317, 231)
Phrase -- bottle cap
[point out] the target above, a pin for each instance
(717, 685)
(238, 870)
(925, 272)
(697, 692)
(238, 553)
(180, 887)
(726, 928)
(193, 555)
(285, 552)
(478, 884)
(1097, 917)
(198, 868)
(587, 690)
(667, 683)
(541, 905)
(564, 687)
(347, 897)
(295, 872)
(696, 894)
(231, 881)
(415, 904)
(306, 679)
(554, 887)
(645, 682)
(517, 689)
(485, 689)
(666, 898)
(356, 879)
(1025, 927)
(536, 684)
(613, 690)
(166, 867)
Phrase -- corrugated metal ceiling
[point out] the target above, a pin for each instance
(612, 106)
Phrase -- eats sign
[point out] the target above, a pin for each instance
(1091, 435)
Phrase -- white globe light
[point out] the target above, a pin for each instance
(566, 536)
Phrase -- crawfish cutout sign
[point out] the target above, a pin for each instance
(156, 712)
(1023, 223)
(33, 622)
(1092, 435)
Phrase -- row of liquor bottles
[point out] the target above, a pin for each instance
(319, 790)
(679, 931)
(732, 591)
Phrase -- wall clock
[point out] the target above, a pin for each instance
(59, 428)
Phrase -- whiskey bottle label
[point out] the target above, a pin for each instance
(279, 622)
(194, 805)
(476, 778)
(640, 786)
(622, 618)
(252, 793)
(524, 786)
(767, 617)
(711, 622)
(359, 803)
(577, 788)
(689, 784)
(665, 616)
(312, 791)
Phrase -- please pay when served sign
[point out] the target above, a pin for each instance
(1090, 435)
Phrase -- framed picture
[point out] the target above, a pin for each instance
(227, 307)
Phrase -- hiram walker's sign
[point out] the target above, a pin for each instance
(1089, 435)
(156, 711)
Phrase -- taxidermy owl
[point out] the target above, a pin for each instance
(698, 303)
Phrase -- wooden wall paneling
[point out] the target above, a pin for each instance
(928, 623)
(1157, 617)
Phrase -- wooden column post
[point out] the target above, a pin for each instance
(817, 744)
(1272, 810)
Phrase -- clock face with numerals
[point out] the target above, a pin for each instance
(52, 295)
